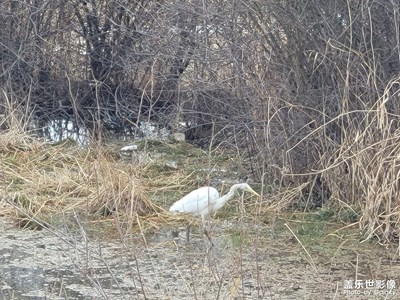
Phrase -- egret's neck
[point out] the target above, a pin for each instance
(225, 198)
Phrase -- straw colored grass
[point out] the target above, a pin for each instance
(364, 171)
(368, 176)
(47, 181)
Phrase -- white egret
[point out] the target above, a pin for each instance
(205, 201)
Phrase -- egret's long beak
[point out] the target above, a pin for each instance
(254, 192)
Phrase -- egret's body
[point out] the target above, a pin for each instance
(206, 200)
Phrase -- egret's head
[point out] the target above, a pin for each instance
(244, 187)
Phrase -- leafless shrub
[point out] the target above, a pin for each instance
(294, 86)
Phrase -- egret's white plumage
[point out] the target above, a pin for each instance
(206, 200)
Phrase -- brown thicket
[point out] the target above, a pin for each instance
(309, 90)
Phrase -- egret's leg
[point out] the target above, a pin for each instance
(188, 232)
(208, 236)
(206, 231)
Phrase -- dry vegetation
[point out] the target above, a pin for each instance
(305, 93)
(47, 182)
(264, 248)
(302, 97)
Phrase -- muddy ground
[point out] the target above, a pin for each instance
(248, 261)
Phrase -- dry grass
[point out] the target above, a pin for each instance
(366, 174)
(48, 181)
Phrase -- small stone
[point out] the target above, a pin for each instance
(171, 164)
(129, 148)
(178, 136)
